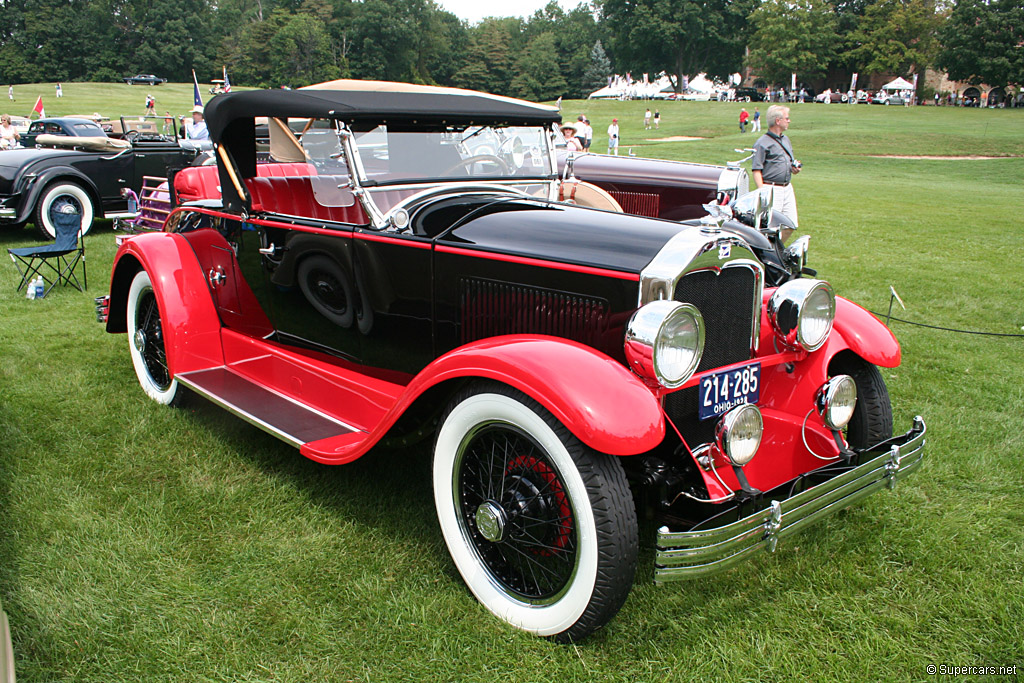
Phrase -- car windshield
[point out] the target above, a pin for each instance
(475, 152)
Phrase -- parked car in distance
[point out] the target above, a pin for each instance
(834, 97)
(411, 268)
(695, 96)
(144, 79)
(89, 171)
(893, 98)
(748, 95)
(66, 126)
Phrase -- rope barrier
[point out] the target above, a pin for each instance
(946, 329)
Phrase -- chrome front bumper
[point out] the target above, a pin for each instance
(7, 214)
(692, 554)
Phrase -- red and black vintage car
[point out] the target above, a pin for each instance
(405, 268)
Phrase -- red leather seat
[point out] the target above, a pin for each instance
(202, 182)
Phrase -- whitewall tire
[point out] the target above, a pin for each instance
(541, 528)
(56, 194)
(146, 343)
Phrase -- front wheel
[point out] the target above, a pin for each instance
(146, 343)
(872, 418)
(57, 194)
(541, 528)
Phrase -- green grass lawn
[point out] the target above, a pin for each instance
(145, 543)
(109, 99)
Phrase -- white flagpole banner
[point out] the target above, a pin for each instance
(853, 82)
(792, 84)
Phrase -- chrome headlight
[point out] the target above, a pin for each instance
(664, 342)
(738, 434)
(801, 312)
(836, 400)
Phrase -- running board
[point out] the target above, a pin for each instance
(274, 413)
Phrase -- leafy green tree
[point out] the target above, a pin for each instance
(600, 68)
(301, 52)
(895, 36)
(981, 42)
(489, 62)
(538, 77)
(792, 36)
(683, 37)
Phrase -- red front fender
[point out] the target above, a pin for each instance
(605, 405)
(864, 334)
(189, 319)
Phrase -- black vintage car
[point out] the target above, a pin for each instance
(144, 79)
(410, 269)
(91, 172)
(68, 126)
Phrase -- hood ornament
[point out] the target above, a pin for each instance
(717, 215)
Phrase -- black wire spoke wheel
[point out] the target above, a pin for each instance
(541, 527)
(147, 344)
(147, 322)
(517, 513)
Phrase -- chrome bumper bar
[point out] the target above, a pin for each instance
(8, 214)
(692, 554)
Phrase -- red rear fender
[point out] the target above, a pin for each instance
(190, 323)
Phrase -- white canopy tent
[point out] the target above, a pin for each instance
(898, 84)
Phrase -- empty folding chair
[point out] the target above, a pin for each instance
(57, 262)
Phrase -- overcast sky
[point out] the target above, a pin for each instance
(475, 10)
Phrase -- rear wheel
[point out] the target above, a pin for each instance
(57, 194)
(872, 418)
(146, 343)
(541, 528)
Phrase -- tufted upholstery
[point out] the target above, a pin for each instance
(202, 182)
(293, 196)
(278, 188)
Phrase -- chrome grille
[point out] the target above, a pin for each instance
(726, 302)
(489, 308)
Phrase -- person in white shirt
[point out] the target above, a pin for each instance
(197, 130)
(572, 142)
(8, 133)
(613, 137)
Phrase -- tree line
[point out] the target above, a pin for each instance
(553, 53)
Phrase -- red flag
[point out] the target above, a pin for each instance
(38, 109)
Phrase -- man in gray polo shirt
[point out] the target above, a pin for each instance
(773, 164)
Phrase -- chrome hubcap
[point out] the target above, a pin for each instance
(491, 521)
(140, 340)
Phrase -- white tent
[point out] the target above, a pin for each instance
(898, 84)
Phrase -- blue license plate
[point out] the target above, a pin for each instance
(722, 391)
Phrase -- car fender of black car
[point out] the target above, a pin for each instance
(33, 184)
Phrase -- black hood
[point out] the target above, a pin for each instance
(565, 233)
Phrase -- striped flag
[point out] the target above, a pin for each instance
(227, 83)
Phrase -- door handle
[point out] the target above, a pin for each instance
(268, 251)
(217, 276)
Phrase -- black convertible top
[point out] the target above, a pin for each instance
(376, 102)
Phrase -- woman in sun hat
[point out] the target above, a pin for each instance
(569, 132)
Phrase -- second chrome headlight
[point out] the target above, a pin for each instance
(801, 312)
(665, 341)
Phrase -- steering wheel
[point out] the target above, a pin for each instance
(469, 161)
(131, 135)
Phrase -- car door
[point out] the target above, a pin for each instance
(304, 279)
(216, 242)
